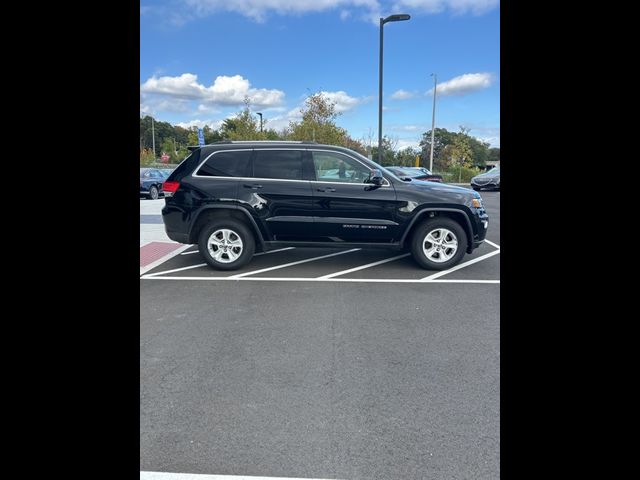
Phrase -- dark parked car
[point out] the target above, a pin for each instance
(491, 180)
(236, 198)
(151, 180)
(415, 173)
(165, 172)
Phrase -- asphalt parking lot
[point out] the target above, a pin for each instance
(323, 363)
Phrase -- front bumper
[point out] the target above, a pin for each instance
(481, 221)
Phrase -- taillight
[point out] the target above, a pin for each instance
(170, 188)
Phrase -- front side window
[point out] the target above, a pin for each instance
(227, 164)
(278, 164)
(333, 167)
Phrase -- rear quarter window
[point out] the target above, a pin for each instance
(227, 164)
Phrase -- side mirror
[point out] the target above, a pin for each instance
(376, 177)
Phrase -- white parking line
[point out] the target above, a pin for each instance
(311, 279)
(196, 476)
(274, 251)
(175, 270)
(362, 267)
(256, 255)
(491, 243)
(462, 265)
(235, 277)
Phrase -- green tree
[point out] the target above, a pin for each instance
(479, 151)
(318, 122)
(146, 156)
(244, 126)
(388, 151)
(494, 154)
(442, 138)
(407, 156)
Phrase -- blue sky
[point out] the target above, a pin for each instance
(200, 58)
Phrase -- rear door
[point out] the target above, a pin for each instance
(277, 194)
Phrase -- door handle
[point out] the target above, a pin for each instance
(255, 186)
(326, 189)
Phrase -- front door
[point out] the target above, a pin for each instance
(345, 208)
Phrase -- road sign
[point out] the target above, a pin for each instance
(200, 137)
(164, 158)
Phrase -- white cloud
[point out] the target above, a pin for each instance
(370, 11)
(281, 121)
(492, 141)
(215, 124)
(459, 7)
(404, 143)
(408, 128)
(207, 109)
(151, 105)
(402, 95)
(343, 101)
(258, 9)
(463, 84)
(225, 90)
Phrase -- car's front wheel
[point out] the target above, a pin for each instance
(439, 243)
(226, 244)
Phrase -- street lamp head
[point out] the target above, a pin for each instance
(399, 17)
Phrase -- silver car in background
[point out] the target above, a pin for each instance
(489, 180)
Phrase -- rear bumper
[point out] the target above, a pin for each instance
(177, 236)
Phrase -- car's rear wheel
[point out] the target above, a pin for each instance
(226, 244)
(153, 192)
(439, 243)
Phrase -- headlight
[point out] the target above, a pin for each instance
(476, 202)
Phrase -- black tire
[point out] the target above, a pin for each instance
(240, 230)
(434, 224)
(477, 189)
(153, 192)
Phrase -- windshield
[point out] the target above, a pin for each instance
(494, 170)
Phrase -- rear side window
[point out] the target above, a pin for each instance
(279, 164)
(227, 164)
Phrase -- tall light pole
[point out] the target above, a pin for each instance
(433, 120)
(390, 18)
(153, 140)
(258, 113)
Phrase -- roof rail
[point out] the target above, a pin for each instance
(266, 141)
(227, 142)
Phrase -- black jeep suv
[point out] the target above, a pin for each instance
(236, 198)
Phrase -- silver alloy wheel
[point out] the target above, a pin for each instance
(224, 245)
(440, 245)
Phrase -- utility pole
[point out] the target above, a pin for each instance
(433, 120)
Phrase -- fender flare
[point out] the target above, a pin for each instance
(418, 216)
(252, 221)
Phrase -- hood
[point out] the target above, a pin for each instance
(438, 187)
